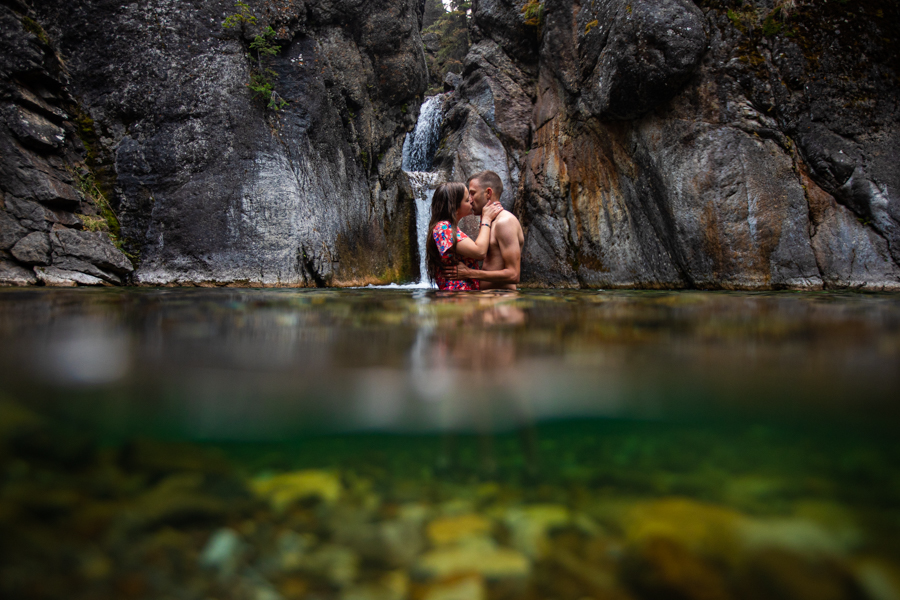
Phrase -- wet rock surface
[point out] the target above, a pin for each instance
(43, 171)
(707, 144)
(206, 184)
(651, 143)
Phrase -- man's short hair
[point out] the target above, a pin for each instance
(488, 179)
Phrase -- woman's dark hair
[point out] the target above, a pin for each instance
(444, 204)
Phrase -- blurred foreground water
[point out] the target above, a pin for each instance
(390, 444)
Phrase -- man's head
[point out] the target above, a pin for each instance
(484, 187)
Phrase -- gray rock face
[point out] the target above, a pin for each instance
(13, 274)
(209, 185)
(34, 130)
(673, 144)
(488, 121)
(91, 246)
(38, 217)
(43, 159)
(55, 277)
(212, 187)
(634, 56)
(33, 249)
(650, 143)
(10, 231)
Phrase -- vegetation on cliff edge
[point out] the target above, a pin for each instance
(446, 39)
(262, 76)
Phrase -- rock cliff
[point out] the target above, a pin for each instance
(138, 116)
(668, 143)
(649, 143)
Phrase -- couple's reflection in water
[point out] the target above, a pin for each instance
(471, 370)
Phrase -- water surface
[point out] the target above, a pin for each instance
(600, 439)
(227, 363)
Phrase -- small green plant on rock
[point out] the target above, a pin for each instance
(107, 220)
(748, 19)
(533, 10)
(93, 222)
(33, 27)
(771, 25)
(262, 77)
(238, 19)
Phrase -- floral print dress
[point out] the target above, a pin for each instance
(442, 232)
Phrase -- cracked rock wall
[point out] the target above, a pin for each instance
(708, 144)
(209, 186)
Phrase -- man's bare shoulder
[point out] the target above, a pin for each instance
(507, 221)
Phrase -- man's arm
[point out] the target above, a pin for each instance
(508, 240)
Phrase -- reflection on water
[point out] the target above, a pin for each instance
(417, 444)
(209, 361)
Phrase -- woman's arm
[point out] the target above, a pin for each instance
(506, 275)
(510, 252)
(479, 248)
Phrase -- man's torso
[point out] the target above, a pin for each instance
(494, 259)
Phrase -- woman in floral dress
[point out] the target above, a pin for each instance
(447, 245)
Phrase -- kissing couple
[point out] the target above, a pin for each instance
(457, 262)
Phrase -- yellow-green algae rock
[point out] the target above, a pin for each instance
(288, 488)
(529, 526)
(467, 588)
(480, 556)
(451, 530)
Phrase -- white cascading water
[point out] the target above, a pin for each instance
(420, 145)
(423, 184)
(418, 154)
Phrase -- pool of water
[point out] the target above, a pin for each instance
(390, 443)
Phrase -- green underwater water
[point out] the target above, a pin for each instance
(597, 444)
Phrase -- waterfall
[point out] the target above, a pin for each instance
(418, 153)
(423, 185)
(420, 145)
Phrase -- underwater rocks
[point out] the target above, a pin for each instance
(476, 555)
(681, 144)
(152, 519)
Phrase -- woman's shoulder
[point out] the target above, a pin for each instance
(441, 228)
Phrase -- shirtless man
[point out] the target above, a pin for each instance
(502, 264)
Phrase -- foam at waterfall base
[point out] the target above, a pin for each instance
(421, 285)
